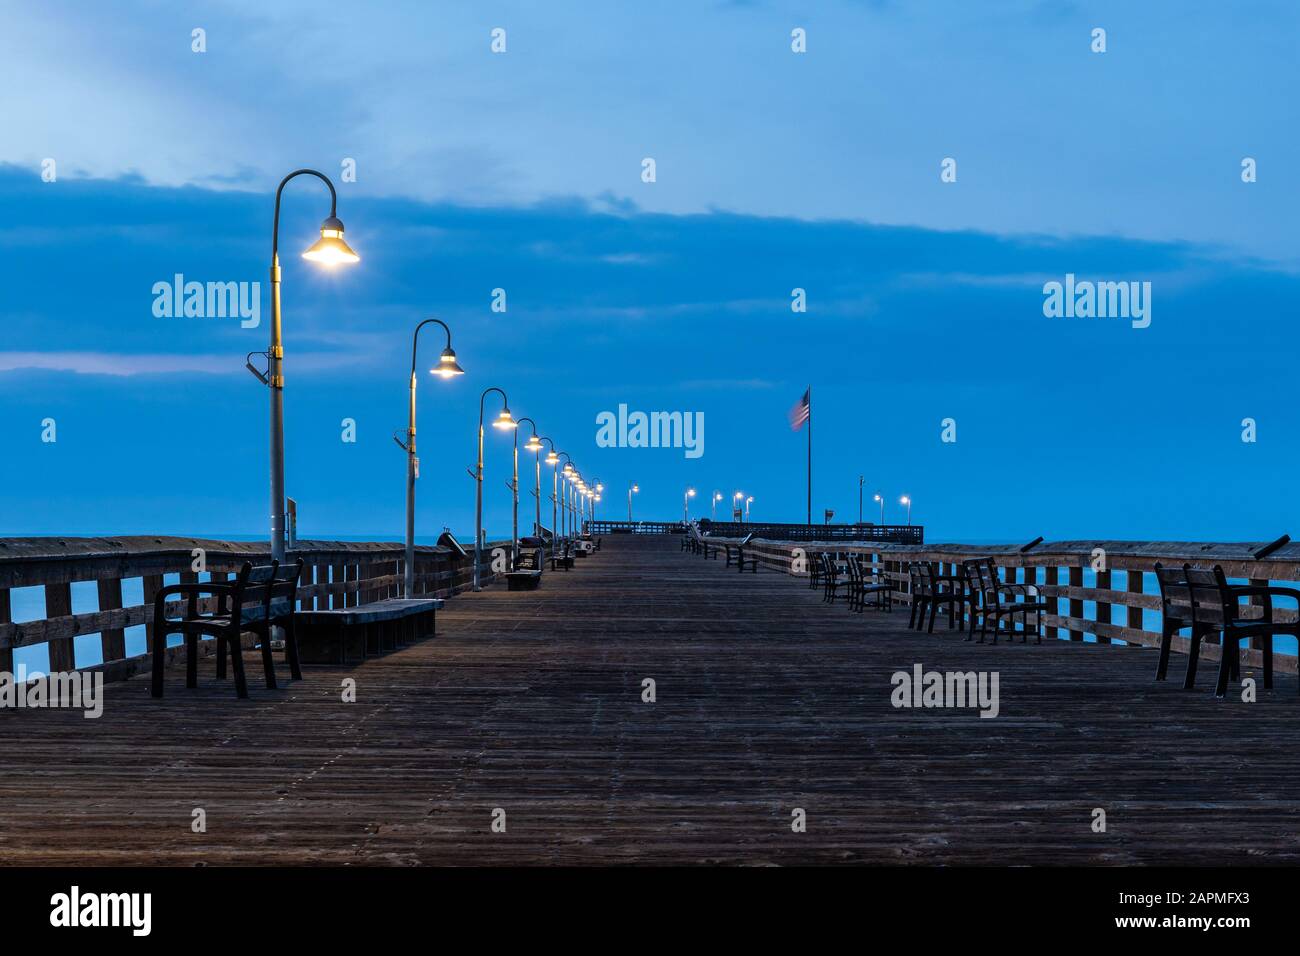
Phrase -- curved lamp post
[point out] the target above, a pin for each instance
(447, 367)
(534, 444)
(553, 460)
(686, 503)
(632, 488)
(565, 474)
(905, 500)
(502, 421)
(881, 499)
(748, 501)
(736, 499)
(713, 507)
(328, 250)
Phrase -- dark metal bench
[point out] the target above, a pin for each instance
(244, 604)
(985, 599)
(562, 555)
(338, 635)
(868, 582)
(1204, 601)
(527, 574)
(737, 551)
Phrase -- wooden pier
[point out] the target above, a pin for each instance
(766, 701)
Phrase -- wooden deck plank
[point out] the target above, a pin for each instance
(766, 700)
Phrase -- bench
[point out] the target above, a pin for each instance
(562, 555)
(527, 574)
(738, 550)
(244, 604)
(338, 635)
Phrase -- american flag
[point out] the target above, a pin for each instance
(801, 412)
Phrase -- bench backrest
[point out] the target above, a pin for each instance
(1175, 593)
(1211, 598)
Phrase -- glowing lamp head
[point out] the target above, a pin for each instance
(447, 366)
(552, 459)
(533, 444)
(331, 249)
(690, 492)
(599, 487)
(597, 498)
(636, 488)
(568, 469)
(505, 420)
(904, 500)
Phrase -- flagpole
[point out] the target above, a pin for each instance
(809, 454)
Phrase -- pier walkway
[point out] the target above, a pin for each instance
(766, 701)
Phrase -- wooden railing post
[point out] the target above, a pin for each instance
(1103, 608)
(1076, 604)
(112, 641)
(58, 603)
(6, 616)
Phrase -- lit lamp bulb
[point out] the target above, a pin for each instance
(448, 367)
(330, 249)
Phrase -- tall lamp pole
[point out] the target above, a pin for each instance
(553, 460)
(905, 500)
(861, 479)
(564, 493)
(881, 499)
(329, 249)
(748, 501)
(686, 506)
(503, 421)
(713, 507)
(534, 444)
(631, 489)
(448, 367)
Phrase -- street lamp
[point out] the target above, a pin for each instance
(861, 479)
(881, 499)
(907, 501)
(448, 367)
(503, 421)
(735, 506)
(553, 460)
(534, 444)
(565, 473)
(630, 490)
(713, 506)
(686, 502)
(328, 250)
(748, 501)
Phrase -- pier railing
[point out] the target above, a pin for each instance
(335, 574)
(896, 533)
(1104, 589)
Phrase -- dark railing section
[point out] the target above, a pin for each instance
(335, 574)
(1103, 589)
(890, 533)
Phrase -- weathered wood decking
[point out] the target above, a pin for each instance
(767, 701)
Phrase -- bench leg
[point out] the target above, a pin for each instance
(1230, 651)
(291, 649)
(268, 663)
(237, 664)
(1193, 652)
(159, 655)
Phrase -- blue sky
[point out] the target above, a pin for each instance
(774, 171)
